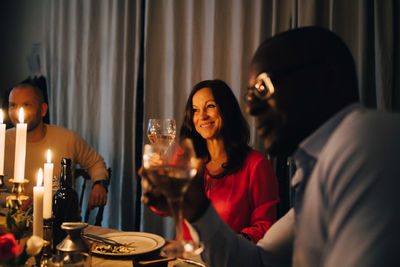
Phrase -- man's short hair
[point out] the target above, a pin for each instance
(36, 85)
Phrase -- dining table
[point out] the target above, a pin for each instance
(151, 259)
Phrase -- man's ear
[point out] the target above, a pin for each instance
(43, 109)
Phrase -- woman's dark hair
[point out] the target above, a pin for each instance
(235, 129)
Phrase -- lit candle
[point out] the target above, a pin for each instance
(2, 140)
(48, 190)
(20, 148)
(38, 191)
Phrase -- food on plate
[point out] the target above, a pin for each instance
(102, 248)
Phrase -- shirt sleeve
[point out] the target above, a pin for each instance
(222, 247)
(89, 159)
(263, 188)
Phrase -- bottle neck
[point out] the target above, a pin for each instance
(66, 176)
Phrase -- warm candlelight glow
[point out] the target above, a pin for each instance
(38, 192)
(1, 116)
(48, 156)
(20, 148)
(48, 187)
(21, 115)
(40, 177)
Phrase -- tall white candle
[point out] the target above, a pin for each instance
(38, 191)
(48, 188)
(20, 148)
(2, 140)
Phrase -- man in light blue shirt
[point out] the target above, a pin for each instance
(303, 93)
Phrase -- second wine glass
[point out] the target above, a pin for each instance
(161, 131)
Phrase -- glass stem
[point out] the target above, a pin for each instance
(175, 206)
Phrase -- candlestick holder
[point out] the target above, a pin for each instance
(41, 259)
(48, 237)
(38, 259)
(18, 190)
(3, 187)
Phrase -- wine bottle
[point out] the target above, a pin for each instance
(65, 203)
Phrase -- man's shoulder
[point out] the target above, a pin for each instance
(369, 123)
(363, 133)
(58, 130)
(52, 127)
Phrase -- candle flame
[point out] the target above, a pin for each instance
(21, 115)
(1, 116)
(40, 177)
(48, 156)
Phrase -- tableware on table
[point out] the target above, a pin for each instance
(104, 240)
(157, 261)
(79, 259)
(171, 168)
(73, 242)
(161, 131)
(134, 243)
(55, 261)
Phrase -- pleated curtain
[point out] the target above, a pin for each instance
(114, 64)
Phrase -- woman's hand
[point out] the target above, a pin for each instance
(151, 195)
(195, 202)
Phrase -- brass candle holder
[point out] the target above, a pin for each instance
(41, 259)
(48, 237)
(18, 190)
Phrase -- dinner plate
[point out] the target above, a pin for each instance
(139, 242)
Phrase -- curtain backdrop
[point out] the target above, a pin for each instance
(188, 41)
(92, 63)
(93, 67)
(371, 28)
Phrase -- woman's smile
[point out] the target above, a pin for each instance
(208, 124)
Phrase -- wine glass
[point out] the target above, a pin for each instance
(161, 131)
(171, 168)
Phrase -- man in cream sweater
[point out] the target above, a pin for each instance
(62, 142)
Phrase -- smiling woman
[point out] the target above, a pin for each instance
(239, 181)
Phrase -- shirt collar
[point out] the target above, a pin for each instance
(313, 144)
